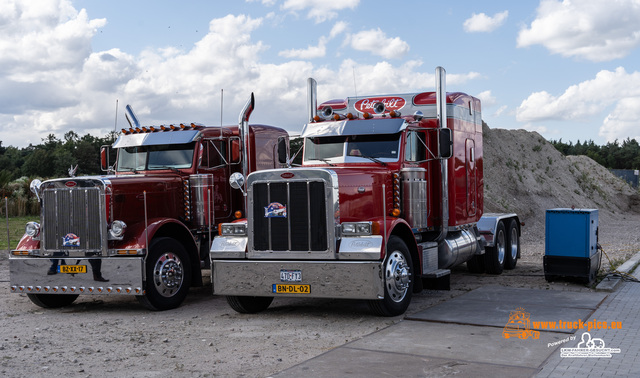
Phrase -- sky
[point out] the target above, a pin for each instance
(566, 69)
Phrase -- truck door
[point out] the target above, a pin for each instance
(216, 160)
(472, 192)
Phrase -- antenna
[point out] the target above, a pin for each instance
(221, 108)
(355, 89)
(115, 124)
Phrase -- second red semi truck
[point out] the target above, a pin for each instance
(388, 198)
(145, 228)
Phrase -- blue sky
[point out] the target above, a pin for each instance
(565, 69)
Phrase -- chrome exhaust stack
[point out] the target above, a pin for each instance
(131, 116)
(243, 125)
(441, 109)
(312, 98)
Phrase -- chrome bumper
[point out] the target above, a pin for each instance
(35, 275)
(327, 279)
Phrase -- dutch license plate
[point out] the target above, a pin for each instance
(291, 275)
(291, 289)
(73, 269)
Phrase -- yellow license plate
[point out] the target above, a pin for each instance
(291, 289)
(73, 269)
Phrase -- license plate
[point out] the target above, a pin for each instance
(291, 289)
(291, 275)
(73, 269)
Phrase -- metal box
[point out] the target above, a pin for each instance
(571, 244)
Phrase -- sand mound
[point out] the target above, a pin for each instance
(525, 174)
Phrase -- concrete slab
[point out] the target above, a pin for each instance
(352, 362)
(460, 342)
(491, 306)
(525, 297)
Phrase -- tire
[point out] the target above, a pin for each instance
(494, 256)
(249, 305)
(476, 264)
(52, 300)
(168, 275)
(397, 280)
(513, 246)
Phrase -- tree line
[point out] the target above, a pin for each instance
(49, 159)
(53, 158)
(613, 155)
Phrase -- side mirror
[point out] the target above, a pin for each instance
(445, 143)
(35, 187)
(236, 180)
(283, 155)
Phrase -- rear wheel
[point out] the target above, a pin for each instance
(398, 283)
(513, 245)
(52, 300)
(168, 275)
(494, 256)
(249, 305)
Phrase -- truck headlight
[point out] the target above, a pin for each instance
(356, 228)
(233, 229)
(117, 229)
(32, 229)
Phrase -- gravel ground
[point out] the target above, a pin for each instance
(115, 336)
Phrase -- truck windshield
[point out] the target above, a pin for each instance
(353, 148)
(143, 158)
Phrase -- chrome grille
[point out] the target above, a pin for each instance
(76, 211)
(305, 226)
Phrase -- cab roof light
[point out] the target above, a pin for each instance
(125, 131)
(366, 115)
(350, 116)
(163, 128)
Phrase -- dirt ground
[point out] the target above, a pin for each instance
(115, 336)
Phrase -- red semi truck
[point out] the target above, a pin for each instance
(388, 198)
(145, 228)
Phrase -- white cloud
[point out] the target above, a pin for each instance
(582, 100)
(591, 98)
(590, 29)
(480, 22)
(623, 122)
(500, 111)
(320, 49)
(376, 42)
(487, 99)
(320, 10)
(169, 85)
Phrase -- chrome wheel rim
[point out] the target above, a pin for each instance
(397, 276)
(514, 244)
(501, 247)
(168, 274)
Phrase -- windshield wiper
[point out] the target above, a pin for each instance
(374, 160)
(326, 161)
(166, 167)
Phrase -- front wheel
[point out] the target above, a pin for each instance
(398, 283)
(168, 275)
(52, 300)
(249, 305)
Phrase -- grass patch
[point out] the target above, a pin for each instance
(16, 229)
